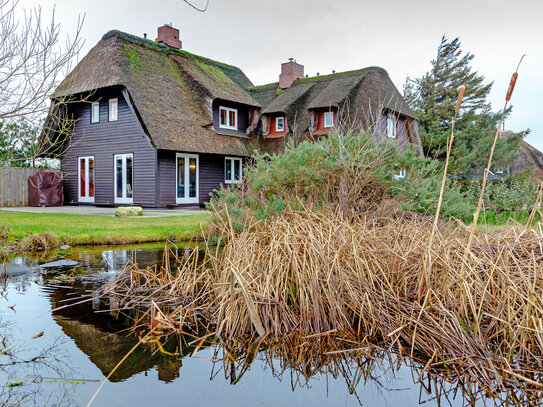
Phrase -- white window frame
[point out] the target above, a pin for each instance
(122, 199)
(228, 125)
(401, 174)
(113, 114)
(328, 114)
(392, 126)
(282, 119)
(95, 118)
(232, 179)
(186, 198)
(86, 198)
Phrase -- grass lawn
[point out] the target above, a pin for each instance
(85, 229)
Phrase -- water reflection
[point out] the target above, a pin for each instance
(90, 340)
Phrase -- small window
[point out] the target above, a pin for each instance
(328, 119)
(232, 170)
(113, 109)
(401, 174)
(279, 124)
(391, 126)
(228, 118)
(95, 112)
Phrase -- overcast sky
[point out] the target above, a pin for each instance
(398, 35)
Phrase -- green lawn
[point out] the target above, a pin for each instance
(85, 229)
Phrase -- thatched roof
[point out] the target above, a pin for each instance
(171, 90)
(365, 93)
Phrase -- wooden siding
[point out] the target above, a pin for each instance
(243, 114)
(210, 175)
(103, 140)
(14, 185)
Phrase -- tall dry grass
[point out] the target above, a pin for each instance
(309, 273)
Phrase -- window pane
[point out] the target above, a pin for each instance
(180, 177)
(95, 112)
(228, 170)
(192, 177)
(223, 117)
(328, 119)
(391, 126)
(91, 177)
(113, 109)
(82, 185)
(279, 124)
(232, 116)
(129, 176)
(237, 170)
(119, 172)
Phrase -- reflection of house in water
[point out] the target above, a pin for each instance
(115, 260)
(99, 336)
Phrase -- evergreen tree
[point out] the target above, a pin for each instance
(433, 98)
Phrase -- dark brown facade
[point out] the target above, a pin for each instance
(154, 171)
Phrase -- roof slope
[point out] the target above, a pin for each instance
(172, 90)
(365, 92)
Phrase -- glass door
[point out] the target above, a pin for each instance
(123, 168)
(86, 179)
(187, 178)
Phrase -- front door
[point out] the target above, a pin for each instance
(124, 166)
(86, 179)
(187, 178)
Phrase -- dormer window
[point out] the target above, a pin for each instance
(228, 118)
(95, 112)
(279, 124)
(328, 119)
(113, 110)
(391, 126)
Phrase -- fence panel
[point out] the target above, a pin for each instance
(14, 185)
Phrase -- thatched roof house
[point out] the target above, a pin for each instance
(158, 126)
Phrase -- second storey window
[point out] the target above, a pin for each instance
(95, 112)
(113, 109)
(328, 119)
(391, 126)
(232, 170)
(228, 118)
(279, 124)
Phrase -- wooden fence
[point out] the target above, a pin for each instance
(14, 185)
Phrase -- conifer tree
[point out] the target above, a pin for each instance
(433, 98)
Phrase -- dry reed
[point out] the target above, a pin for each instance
(307, 273)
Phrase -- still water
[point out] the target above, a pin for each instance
(60, 358)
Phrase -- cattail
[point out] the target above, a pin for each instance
(460, 97)
(511, 86)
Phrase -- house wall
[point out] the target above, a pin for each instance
(402, 133)
(243, 114)
(103, 140)
(210, 175)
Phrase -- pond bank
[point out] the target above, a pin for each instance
(95, 230)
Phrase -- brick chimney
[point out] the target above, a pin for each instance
(169, 36)
(290, 71)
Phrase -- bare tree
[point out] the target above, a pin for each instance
(33, 59)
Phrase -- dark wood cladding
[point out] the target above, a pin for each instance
(243, 113)
(402, 134)
(103, 140)
(210, 175)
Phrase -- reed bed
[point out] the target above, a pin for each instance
(309, 273)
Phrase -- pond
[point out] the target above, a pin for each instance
(60, 358)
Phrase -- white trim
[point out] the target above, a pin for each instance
(282, 118)
(401, 174)
(392, 126)
(186, 198)
(228, 125)
(122, 199)
(95, 118)
(233, 179)
(86, 198)
(324, 120)
(113, 115)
